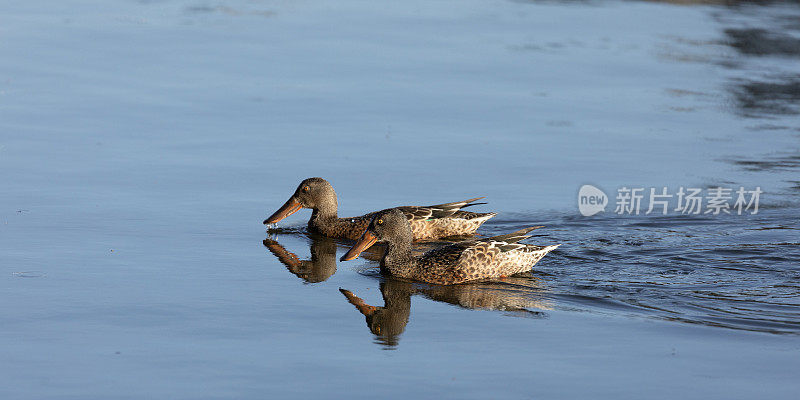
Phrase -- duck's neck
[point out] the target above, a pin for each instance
(325, 212)
(398, 259)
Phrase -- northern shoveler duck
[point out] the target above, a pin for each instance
(431, 222)
(471, 260)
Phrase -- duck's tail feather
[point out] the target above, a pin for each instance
(514, 236)
(456, 205)
(543, 250)
(475, 204)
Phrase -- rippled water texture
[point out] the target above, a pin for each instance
(143, 142)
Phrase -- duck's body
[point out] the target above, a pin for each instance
(427, 222)
(423, 228)
(472, 260)
(476, 260)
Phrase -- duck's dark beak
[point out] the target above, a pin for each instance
(367, 240)
(290, 207)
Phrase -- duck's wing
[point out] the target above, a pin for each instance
(509, 241)
(489, 246)
(476, 259)
(482, 250)
(423, 213)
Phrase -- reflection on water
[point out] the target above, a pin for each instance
(756, 51)
(778, 96)
(766, 88)
(764, 77)
(319, 268)
(322, 263)
(770, 162)
(388, 321)
(514, 296)
(768, 85)
(761, 42)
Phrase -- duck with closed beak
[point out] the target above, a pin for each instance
(426, 222)
(471, 260)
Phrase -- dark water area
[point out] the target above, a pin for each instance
(143, 142)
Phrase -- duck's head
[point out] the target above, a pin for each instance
(386, 226)
(314, 193)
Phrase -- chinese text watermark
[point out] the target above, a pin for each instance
(686, 200)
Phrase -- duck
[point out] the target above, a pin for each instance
(461, 262)
(427, 222)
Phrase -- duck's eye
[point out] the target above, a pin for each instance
(380, 222)
(306, 189)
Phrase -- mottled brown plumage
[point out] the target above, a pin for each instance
(472, 260)
(427, 222)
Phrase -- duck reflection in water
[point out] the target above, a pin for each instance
(322, 264)
(320, 267)
(517, 296)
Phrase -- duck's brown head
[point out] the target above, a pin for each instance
(389, 226)
(313, 193)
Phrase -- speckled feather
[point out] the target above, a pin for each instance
(427, 223)
(476, 260)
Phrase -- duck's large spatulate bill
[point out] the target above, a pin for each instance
(367, 240)
(290, 207)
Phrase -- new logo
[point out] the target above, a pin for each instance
(591, 200)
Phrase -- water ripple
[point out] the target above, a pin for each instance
(725, 272)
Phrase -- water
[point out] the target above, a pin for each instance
(142, 144)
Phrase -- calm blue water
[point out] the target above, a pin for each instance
(142, 144)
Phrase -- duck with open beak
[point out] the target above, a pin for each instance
(429, 222)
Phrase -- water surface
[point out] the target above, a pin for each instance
(142, 144)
